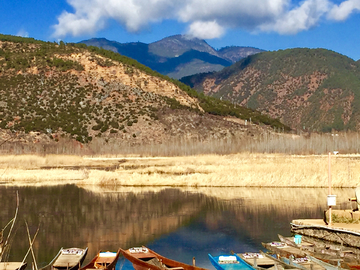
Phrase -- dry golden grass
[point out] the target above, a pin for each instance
(260, 170)
(36, 177)
(238, 170)
(36, 161)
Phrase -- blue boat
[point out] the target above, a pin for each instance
(229, 262)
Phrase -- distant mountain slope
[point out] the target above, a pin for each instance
(315, 89)
(175, 46)
(178, 55)
(235, 53)
(85, 93)
(191, 62)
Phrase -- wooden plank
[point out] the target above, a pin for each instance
(256, 259)
(10, 265)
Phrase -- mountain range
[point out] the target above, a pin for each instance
(177, 56)
(307, 89)
(51, 91)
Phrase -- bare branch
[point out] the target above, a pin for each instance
(5, 244)
(31, 245)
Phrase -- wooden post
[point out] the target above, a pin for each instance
(330, 215)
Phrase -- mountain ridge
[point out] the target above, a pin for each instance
(157, 55)
(82, 93)
(311, 89)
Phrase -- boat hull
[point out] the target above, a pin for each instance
(103, 261)
(143, 258)
(67, 259)
(226, 262)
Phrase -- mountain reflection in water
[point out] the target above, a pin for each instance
(177, 223)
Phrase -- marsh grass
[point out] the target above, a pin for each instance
(36, 177)
(238, 170)
(37, 161)
(241, 170)
(265, 143)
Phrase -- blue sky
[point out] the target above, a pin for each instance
(265, 24)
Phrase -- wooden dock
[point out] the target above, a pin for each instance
(347, 234)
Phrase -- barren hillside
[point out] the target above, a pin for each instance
(53, 91)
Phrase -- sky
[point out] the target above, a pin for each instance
(265, 24)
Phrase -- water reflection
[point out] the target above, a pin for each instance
(177, 223)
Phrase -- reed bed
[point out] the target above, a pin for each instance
(237, 170)
(37, 161)
(19, 177)
(34, 161)
(268, 141)
(241, 170)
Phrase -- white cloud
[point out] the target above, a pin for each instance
(91, 15)
(206, 30)
(301, 18)
(205, 18)
(342, 12)
(232, 13)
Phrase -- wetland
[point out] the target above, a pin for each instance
(179, 223)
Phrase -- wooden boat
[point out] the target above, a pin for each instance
(328, 249)
(67, 259)
(326, 265)
(284, 250)
(229, 262)
(340, 257)
(12, 265)
(256, 259)
(283, 264)
(303, 263)
(143, 258)
(304, 245)
(103, 260)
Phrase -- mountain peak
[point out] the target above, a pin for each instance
(177, 56)
(176, 45)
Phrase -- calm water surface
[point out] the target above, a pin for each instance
(179, 224)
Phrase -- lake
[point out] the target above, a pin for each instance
(177, 223)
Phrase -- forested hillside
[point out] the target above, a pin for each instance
(308, 89)
(75, 91)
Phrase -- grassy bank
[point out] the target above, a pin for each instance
(260, 142)
(238, 170)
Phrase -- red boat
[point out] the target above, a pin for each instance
(144, 258)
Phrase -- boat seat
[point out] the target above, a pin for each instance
(156, 262)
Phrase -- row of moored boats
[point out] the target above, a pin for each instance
(287, 253)
(292, 253)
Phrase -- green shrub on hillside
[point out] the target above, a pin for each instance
(55, 101)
